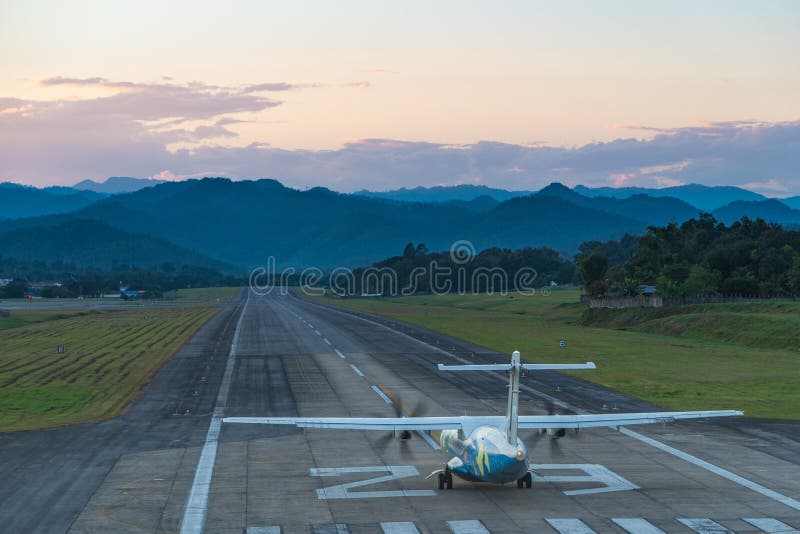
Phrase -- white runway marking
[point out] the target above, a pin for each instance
(325, 339)
(637, 526)
(264, 530)
(356, 370)
(469, 526)
(705, 526)
(405, 527)
(342, 491)
(196, 507)
(724, 473)
(570, 526)
(317, 332)
(339, 353)
(592, 474)
(770, 525)
(335, 528)
(381, 394)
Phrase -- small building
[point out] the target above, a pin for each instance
(5, 281)
(646, 289)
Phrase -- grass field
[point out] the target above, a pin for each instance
(720, 356)
(205, 293)
(109, 356)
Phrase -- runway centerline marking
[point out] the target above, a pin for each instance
(339, 353)
(733, 477)
(356, 370)
(196, 507)
(381, 394)
(325, 339)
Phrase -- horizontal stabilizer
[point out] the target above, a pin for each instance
(556, 366)
(526, 366)
(489, 367)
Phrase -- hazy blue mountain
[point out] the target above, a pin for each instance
(25, 201)
(117, 184)
(246, 222)
(707, 198)
(481, 203)
(465, 192)
(91, 243)
(792, 202)
(647, 209)
(770, 210)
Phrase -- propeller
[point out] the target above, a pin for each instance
(400, 410)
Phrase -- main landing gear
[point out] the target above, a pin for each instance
(527, 481)
(445, 479)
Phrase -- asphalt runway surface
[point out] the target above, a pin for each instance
(168, 464)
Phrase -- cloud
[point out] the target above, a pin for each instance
(135, 129)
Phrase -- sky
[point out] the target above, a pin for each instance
(381, 95)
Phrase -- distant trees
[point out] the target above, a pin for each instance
(77, 281)
(495, 269)
(700, 257)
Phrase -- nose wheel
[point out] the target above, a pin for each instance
(526, 481)
(445, 479)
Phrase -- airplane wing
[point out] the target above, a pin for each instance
(362, 423)
(615, 420)
(468, 423)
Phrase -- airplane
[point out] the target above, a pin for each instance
(488, 448)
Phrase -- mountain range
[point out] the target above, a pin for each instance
(238, 224)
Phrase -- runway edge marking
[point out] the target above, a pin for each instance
(194, 511)
(724, 473)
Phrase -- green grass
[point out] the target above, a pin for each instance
(717, 363)
(109, 357)
(205, 293)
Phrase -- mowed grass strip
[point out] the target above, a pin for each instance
(109, 357)
(724, 364)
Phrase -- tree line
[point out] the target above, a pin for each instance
(701, 257)
(81, 281)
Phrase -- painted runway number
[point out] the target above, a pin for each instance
(593, 473)
(342, 491)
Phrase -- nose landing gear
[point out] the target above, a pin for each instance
(527, 481)
(445, 478)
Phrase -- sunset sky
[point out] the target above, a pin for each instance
(389, 94)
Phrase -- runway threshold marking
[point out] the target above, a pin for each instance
(467, 526)
(724, 473)
(404, 527)
(196, 507)
(770, 525)
(637, 525)
(705, 526)
(570, 526)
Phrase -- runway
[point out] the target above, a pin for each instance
(293, 357)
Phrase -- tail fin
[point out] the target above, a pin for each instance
(514, 368)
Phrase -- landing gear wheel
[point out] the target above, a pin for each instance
(448, 480)
(441, 480)
(526, 481)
